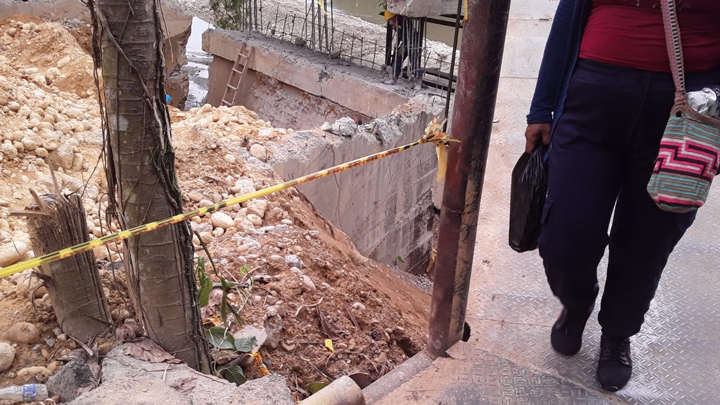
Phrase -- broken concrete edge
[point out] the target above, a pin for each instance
(343, 391)
(397, 377)
(127, 380)
(422, 8)
(313, 73)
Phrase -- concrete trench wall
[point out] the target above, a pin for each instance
(275, 101)
(294, 87)
(385, 206)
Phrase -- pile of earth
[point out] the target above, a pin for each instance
(300, 280)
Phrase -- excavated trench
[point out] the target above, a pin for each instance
(385, 207)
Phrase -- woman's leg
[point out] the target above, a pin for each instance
(585, 175)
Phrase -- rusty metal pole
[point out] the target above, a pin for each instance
(478, 76)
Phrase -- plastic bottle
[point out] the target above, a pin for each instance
(27, 392)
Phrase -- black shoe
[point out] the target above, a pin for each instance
(615, 365)
(566, 335)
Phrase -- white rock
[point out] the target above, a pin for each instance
(7, 356)
(243, 186)
(358, 306)
(62, 157)
(206, 108)
(10, 253)
(77, 162)
(266, 132)
(221, 220)
(64, 61)
(255, 220)
(195, 196)
(29, 144)
(259, 152)
(230, 159)
(344, 127)
(14, 106)
(42, 152)
(294, 261)
(8, 150)
(308, 283)
(257, 207)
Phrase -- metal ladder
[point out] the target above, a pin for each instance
(236, 74)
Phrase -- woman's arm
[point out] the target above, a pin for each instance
(553, 67)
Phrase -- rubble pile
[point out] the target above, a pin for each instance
(298, 280)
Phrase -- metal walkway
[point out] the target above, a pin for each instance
(508, 359)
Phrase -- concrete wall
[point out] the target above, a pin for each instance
(329, 86)
(283, 105)
(422, 8)
(385, 206)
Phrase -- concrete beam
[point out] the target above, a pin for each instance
(309, 71)
(422, 8)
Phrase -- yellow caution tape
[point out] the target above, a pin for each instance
(432, 135)
(434, 130)
(465, 14)
(322, 7)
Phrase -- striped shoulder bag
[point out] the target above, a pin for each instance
(690, 147)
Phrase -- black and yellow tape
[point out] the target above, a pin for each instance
(433, 134)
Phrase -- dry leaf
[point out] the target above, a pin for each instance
(128, 331)
(147, 350)
(331, 330)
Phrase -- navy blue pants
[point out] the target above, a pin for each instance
(603, 149)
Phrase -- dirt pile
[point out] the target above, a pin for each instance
(298, 280)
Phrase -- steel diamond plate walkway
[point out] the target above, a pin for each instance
(508, 359)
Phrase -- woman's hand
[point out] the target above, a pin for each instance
(536, 133)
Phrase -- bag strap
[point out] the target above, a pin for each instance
(674, 48)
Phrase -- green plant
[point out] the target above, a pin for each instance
(229, 14)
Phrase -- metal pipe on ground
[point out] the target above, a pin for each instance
(342, 391)
(478, 76)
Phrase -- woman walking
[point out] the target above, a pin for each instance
(605, 92)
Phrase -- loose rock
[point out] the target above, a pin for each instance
(258, 151)
(11, 253)
(308, 283)
(257, 207)
(294, 261)
(23, 332)
(7, 356)
(255, 220)
(222, 220)
(39, 374)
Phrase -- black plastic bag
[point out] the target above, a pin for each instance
(527, 198)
